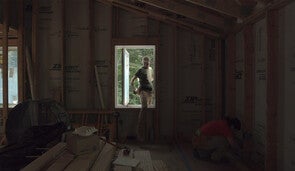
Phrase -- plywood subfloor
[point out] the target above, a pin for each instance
(180, 157)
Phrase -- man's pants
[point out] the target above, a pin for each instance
(144, 125)
(211, 147)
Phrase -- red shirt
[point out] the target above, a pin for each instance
(216, 128)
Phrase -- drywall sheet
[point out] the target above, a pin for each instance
(50, 49)
(260, 88)
(102, 58)
(77, 55)
(239, 75)
(166, 79)
(189, 89)
(288, 130)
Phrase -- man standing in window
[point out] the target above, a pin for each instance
(145, 90)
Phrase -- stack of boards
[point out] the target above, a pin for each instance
(93, 153)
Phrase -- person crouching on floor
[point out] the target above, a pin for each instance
(214, 139)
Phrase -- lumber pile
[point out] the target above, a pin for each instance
(79, 153)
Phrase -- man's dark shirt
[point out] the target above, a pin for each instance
(145, 85)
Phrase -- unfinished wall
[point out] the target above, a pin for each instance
(50, 52)
(190, 79)
(166, 89)
(180, 51)
(260, 53)
(286, 130)
(239, 75)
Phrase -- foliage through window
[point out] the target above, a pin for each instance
(12, 76)
(128, 59)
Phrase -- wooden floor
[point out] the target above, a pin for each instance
(180, 158)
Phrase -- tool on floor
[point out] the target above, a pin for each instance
(126, 151)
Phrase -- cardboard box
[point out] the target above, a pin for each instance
(83, 144)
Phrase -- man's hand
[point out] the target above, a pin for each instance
(135, 91)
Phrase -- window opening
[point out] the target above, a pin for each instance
(128, 59)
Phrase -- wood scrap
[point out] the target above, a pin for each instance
(104, 160)
(83, 162)
(159, 165)
(46, 158)
(62, 162)
(122, 168)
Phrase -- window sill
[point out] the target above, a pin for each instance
(132, 107)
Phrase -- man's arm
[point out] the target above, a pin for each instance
(234, 145)
(132, 82)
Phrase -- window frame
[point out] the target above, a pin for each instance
(134, 42)
(14, 42)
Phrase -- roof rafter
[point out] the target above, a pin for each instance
(189, 12)
(159, 17)
(228, 8)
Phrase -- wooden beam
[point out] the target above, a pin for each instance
(34, 54)
(20, 51)
(203, 76)
(113, 33)
(188, 11)
(91, 52)
(12, 33)
(5, 62)
(231, 84)
(272, 91)
(249, 77)
(160, 17)
(175, 81)
(261, 13)
(64, 54)
(228, 8)
(218, 84)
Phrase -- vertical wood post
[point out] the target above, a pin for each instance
(203, 75)
(20, 50)
(91, 52)
(272, 91)
(218, 85)
(5, 61)
(63, 60)
(175, 82)
(34, 54)
(249, 77)
(230, 78)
